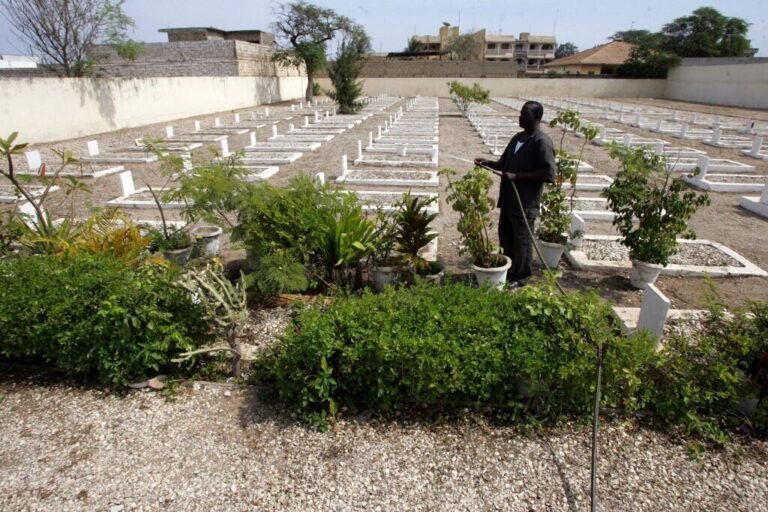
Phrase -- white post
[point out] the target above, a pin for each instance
(327, 114)
(266, 111)
(386, 125)
(627, 139)
(496, 144)
(224, 148)
(658, 148)
(370, 139)
(306, 121)
(291, 128)
(716, 135)
(237, 118)
(683, 130)
(359, 150)
(93, 147)
(320, 179)
(274, 130)
(197, 126)
(401, 149)
(578, 227)
(169, 131)
(434, 155)
(293, 108)
(748, 125)
(186, 162)
(703, 165)
(757, 142)
(603, 133)
(317, 116)
(253, 138)
(764, 195)
(379, 128)
(658, 125)
(217, 122)
(34, 161)
(344, 167)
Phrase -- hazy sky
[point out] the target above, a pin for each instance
(391, 22)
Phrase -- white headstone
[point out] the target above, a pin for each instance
(603, 133)
(578, 228)
(224, 148)
(306, 121)
(237, 118)
(653, 312)
(658, 148)
(320, 179)
(379, 131)
(274, 130)
(703, 165)
(627, 139)
(197, 126)
(344, 167)
(434, 155)
(253, 138)
(291, 128)
(716, 134)
(186, 162)
(370, 139)
(683, 130)
(126, 182)
(317, 116)
(34, 161)
(658, 125)
(93, 147)
(169, 131)
(764, 195)
(496, 143)
(266, 111)
(757, 143)
(359, 150)
(217, 122)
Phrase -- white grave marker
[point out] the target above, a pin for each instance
(93, 147)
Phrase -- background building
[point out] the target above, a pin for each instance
(600, 60)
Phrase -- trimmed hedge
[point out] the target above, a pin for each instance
(531, 352)
(93, 316)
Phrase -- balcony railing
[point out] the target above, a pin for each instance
(499, 52)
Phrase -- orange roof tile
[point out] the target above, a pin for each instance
(613, 53)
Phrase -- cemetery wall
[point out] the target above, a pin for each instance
(51, 109)
(737, 82)
(581, 87)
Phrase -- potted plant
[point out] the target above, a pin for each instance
(384, 260)
(174, 243)
(468, 196)
(556, 207)
(652, 210)
(413, 233)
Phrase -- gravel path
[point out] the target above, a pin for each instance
(220, 448)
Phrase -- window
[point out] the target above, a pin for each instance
(505, 46)
(491, 46)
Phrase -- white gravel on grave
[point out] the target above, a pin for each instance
(590, 205)
(688, 254)
(735, 179)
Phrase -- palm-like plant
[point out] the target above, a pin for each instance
(413, 231)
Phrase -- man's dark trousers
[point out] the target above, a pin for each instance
(516, 242)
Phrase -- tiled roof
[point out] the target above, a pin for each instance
(613, 53)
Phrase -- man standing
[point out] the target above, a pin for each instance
(527, 163)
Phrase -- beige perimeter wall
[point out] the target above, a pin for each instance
(52, 109)
(732, 82)
(582, 87)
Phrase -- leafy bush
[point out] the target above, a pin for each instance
(530, 351)
(93, 316)
(652, 207)
(703, 382)
(467, 97)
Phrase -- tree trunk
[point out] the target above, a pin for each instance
(237, 353)
(310, 86)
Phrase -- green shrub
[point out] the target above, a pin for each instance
(93, 316)
(702, 382)
(528, 352)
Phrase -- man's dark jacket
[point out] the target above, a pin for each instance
(533, 165)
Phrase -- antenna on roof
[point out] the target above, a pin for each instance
(554, 25)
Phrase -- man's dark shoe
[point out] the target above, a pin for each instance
(515, 284)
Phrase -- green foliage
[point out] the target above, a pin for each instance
(566, 50)
(468, 196)
(706, 33)
(466, 97)
(320, 228)
(465, 47)
(12, 228)
(527, 352)
(647, 61)
(345, 70)
(316, 89)
(95, 317)
(385, 238)
(276, 273)
(555, 209)
(701, 382)
(413, 231)
(171, 239)
(652, 207)
(414, 45)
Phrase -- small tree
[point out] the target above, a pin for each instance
(566, 50)
(464, 47)
(414, 45)
(306, 29)
(346, 68)
(62, 31)
(706, 33)
(466, 97)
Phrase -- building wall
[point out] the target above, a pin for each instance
(582, 69)
(580, 87)
(51, 109)
(194, 58)
(738, 82)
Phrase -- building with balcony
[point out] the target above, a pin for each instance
(528, 52)
(600, 60)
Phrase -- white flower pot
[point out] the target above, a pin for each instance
(382, 276)
(496, 276)
(207, 240)
(643, 273)
(179, 256)
(551, 253)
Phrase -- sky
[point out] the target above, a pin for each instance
(390, 23)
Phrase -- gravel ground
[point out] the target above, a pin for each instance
(689, 254)
(220, 448)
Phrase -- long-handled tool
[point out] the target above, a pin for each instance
(600, 353)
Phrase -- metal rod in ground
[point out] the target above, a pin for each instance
(596, 426)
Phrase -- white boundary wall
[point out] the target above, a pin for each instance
(720, 81)
(52, 109)
(512, 87)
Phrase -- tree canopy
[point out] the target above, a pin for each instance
(566, 50)
(62, 31)
(305, 29)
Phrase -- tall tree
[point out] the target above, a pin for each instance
(62, 31)
(566, 50)
(706, 33)
(345, 70)
(639, 36)
(414, 45)
(305, 29)
(464, 47)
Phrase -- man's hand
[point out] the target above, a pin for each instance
(509, 176)
(481, 161)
